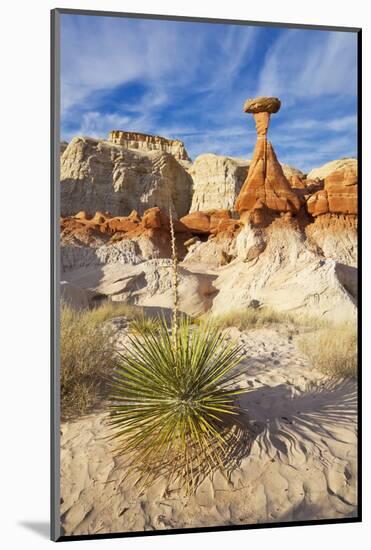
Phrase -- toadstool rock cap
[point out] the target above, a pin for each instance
(262, 105)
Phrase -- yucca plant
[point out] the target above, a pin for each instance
(172, 392)
(169, 404)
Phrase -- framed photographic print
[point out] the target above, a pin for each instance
(205, 233)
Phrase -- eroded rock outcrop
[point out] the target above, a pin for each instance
(148, 142)
(283, 271)
(148, 284)
(101, 175)
(210, 222)
(335, 236)
(129, 239)
(339, 195)
(63, 146)
(217, 181)
(266, 189)
(212, 254)
(297, 182)
(220, 230)
(335, 165)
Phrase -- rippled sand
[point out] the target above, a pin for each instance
(300, 463)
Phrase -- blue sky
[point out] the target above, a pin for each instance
(189, 81)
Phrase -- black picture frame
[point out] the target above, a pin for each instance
(56, 532)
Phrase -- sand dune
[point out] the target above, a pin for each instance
(299, 464)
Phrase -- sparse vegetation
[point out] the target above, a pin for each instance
(331, 347)
(86, 357)
(249, 317)
(87, 353)
(332, 350)
(169, 402)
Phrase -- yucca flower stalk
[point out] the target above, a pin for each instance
(174, 325)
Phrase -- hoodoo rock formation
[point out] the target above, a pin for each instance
(266, 190)
(217, 181)
(246, 231)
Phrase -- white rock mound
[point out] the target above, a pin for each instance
(217, 180)
(127, 251)
(148, 284)
(334, 166)
(213, 253)
(336, 237)
(287, 276)
(98, 175)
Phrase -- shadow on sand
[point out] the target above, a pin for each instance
(289, 420)
(284, 420)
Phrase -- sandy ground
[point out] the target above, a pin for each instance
(300, 464)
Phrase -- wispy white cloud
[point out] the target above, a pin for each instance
(307, 153)
(194, 79)
(310, 63)
(338, 124)
(343, 123)
(96, 124)
(102, 53)
(235, 48)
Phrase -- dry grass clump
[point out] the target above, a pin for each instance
(143, 323)
(251, 317)
(109, 310)
(332, 349)
(87, 354)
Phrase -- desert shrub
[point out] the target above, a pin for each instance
(170, 395)
(86, 358)
(332, 349)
